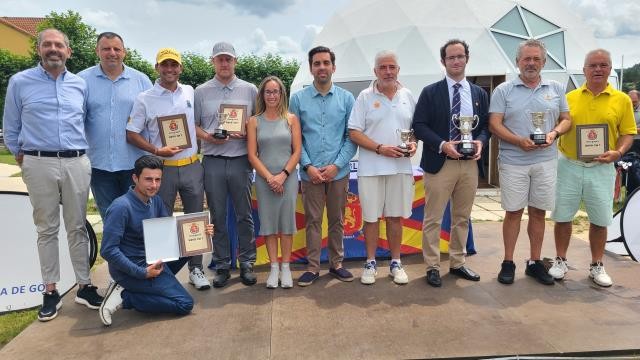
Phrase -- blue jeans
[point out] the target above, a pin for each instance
(106, 186)
(163, 294)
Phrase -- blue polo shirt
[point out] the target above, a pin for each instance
(123, 235)
(43, 113)
(109, 104)
(323, 120)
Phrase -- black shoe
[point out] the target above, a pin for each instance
(465, 273)
(247, 275)
(51, 302)
(539, 272)
(507, 273)
(433, 278)
(88, 296)
(221, 278)
(308, 278)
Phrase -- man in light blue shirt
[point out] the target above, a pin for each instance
(111, 89)
(44, 130)
(323, 110)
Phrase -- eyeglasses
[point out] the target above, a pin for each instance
(530, 59)
(457, 57)
(272, 92)
(598, 66)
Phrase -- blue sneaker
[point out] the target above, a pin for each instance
(308, 278)
(341, 274)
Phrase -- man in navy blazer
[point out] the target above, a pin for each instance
(448, 174)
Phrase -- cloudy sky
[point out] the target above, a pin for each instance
(287, 27)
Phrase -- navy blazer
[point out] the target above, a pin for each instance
(432, 117)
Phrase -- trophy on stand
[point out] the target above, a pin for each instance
(405, 138)
(538, 118)
(220, 132)
(466, 124)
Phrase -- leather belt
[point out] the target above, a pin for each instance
(181, 162)
(58, 154)
(226, 157)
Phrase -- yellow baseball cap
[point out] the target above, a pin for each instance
(168, 54)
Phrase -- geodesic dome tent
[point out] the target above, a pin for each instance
(416, 29)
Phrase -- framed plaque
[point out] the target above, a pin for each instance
(592, 141)
(192, 236)
(236, 119)
(174, 131)
(172, 237)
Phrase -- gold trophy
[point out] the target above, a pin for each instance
(466, 124)
(405, 138)
(220, 132)
(538, 118)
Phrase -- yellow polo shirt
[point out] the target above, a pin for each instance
(611, 107)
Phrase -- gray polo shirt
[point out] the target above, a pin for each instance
(207, 100)
(515, 100)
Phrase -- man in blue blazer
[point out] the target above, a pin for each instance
(448, 174)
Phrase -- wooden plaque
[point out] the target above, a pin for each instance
(174, 131)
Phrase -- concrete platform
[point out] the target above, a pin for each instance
(335, 320)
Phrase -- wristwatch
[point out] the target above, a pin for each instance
(306, 167)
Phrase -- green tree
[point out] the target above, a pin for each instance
(254, 68)
(10, 64)
(196, 69)
(82, 39)
(135, 60)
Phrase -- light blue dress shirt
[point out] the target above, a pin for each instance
(323, 120)
(109, 104)
(45, 114)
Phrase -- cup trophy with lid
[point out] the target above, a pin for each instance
(405, 139)
(466, 124)
(538, 118)
(220, 132)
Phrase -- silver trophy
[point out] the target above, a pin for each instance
(220, 132)
(538, 118)
(465, 124)
(405, 138)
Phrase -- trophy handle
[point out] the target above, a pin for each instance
(455, 121)
(476, 121)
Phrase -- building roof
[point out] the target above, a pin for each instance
(27, 25)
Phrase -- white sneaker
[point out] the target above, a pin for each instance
(197, 279)
(112, 302)
(599, 276)
(274, 275)
(286, 280)
(559, 268)
(369, 273)
(398, 274)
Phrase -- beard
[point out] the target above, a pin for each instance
(59, 63)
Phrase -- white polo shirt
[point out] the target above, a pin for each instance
(379, 118)
(158, 101)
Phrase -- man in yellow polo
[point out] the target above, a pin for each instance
(594, 103)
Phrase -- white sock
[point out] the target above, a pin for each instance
(275, 265)
(396, 260)
(285, 265)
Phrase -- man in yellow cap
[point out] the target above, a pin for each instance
(183, 172)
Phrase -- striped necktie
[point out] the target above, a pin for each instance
(454, 133)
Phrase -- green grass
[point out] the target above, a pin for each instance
(12, 324)
(7, 158)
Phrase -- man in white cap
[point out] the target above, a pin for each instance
(227, 171)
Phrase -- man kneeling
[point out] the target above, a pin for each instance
(146, 288)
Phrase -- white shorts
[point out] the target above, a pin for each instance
(386, 195)
(528, 185)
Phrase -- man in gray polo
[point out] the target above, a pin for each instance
(527, 170)
(634, 95)
(227, 171)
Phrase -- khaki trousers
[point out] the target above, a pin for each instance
(458, 181)
(51, 181)
(314, 198)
